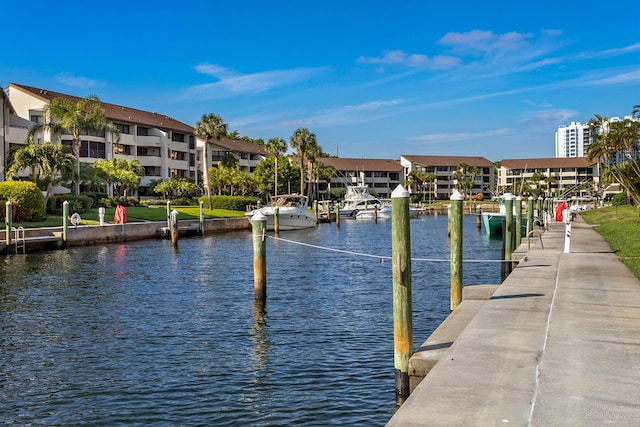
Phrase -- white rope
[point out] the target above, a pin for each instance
(381, 257)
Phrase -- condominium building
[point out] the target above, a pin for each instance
(572, 140)
(558, 175)
(380, 175)
(164, 146)
(444, 168)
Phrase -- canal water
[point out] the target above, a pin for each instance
(142, 334)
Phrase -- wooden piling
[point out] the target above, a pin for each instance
(529, 214)
(479, 218)
(402, 306)
(8, 222)
(455, 219)
(259, 230)
(169, 214)
(201, 224)
(338, 215)
(375, 215)
(508, 235)
(276, 221)
(174, 228)
(518, 231)
(65, 223)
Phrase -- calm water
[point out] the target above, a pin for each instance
(140, 334)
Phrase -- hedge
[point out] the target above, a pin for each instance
(27, 200)
(232, 203)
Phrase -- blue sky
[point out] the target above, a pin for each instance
(371, 79)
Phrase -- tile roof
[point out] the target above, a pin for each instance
(355, 164)
(239, 145)
(550, 162)
(449, 160)
(116, 112)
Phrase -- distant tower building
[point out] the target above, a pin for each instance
(573, 140)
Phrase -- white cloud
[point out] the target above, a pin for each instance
(556, 116)
(231, 83)
(399, 57)
(435, 138)
(347, 114)
(76, 81)
(484, 42)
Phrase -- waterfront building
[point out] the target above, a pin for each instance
(380, 175)
(572, 140)
(444, 168)
(248, 154)
(557, 175)
(164, 146)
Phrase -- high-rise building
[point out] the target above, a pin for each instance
(573, 140)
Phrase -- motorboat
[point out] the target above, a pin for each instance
(358, 199)
(492, 221)
(383, 211)
(293, 212)
(360, 204)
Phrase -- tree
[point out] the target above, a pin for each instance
(49, 160)
(121, 174)
(615, 145)
(210, 126)
(464, 177)
(86, 115)
(276, 146)
(289, 174)
(301, 141)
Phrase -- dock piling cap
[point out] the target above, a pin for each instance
(456, 196)
(399, 192)
(259, 216)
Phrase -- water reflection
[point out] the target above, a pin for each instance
(138, 333)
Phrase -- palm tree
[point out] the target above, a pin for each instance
(275, 146)
(313, 152)
(47, 160)
(208, 127)
(85, 115)
(302, 140)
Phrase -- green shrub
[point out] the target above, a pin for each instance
(80, 204)
(27, 200)
(233, 203)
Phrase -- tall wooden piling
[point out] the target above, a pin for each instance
(479, 218)
(455, 219)
(338, 215)
(259, 229)
(169, 214)
(508, 235)
(518, 221)
(174, 228)
(201, 223)
(402, 306)
(65, 223)
(276, 221)
(529, 214)
(8, 223)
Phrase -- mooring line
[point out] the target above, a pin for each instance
(382, 257)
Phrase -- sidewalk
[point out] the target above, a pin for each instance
(557, 345)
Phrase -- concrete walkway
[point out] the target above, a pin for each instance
(557, 345)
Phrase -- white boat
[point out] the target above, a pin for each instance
(293, 212)
(358, 199)
(383, 211)
(360, 204)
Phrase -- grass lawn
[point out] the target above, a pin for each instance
(135, 214)
(621, 229)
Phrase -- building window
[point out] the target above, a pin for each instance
(179, 137)
(192, 142)
(142, 131)
(122, 149)
(124, 129)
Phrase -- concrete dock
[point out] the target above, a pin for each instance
(558, 344)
